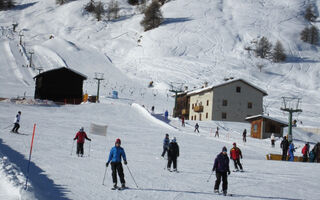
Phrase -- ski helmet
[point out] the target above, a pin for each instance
(174, 139)
(118, 141)
(234, 144)
(81, 129)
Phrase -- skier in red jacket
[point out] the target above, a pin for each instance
(235, 155)
(80, 137)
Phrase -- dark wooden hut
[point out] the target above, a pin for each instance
(263, 126)
(60, 85)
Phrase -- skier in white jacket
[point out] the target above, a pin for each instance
(16, 123)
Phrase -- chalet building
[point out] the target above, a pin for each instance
(230, 101)
(263, 126)
(60, 85)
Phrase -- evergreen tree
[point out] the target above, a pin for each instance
(133, 2)
(309, 14)
(314, 35)
(99, 10)
(90, 6)
(152, 16)
(263, 48)
(278, 54)
(304, 35)
(113, 10)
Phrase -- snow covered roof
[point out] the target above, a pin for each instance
(251, 118)
(225, 83)
(60, 68)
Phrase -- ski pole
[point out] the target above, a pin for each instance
(89, 148)
(132, 176)
(210, 176)
(72, 148)
(104, 176)
(7, 127)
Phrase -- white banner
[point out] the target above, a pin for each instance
(98, 129)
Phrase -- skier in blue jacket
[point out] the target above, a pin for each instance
(115, 155)
(166, 142)
(291, 151)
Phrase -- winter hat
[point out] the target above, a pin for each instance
(174, 139)
(118, 141)
(167, 135)
(234, 144)
(81, 129)
(19, 112)
(224, 149)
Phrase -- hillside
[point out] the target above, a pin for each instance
(198, 41)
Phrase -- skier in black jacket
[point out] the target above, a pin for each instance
(173, 154)
(221, 166)
(284, 146)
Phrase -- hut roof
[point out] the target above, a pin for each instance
(255, 117)
(84, 77)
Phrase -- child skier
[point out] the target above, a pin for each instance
(235, 155)
(115, 155)
(173, 154)
(80, 137)
(217, 132)
(291, 151)
(16, 123)
(166, 142)
(221, 166)
(272, 140)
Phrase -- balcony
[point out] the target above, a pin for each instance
(184, 111)
(198, 109)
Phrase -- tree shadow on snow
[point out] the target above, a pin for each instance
(24, 6)
(175, 20)
(43, 187)
(293, 59)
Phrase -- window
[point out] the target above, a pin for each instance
(249, 105)
(191, 117)
(206, 115)
(255, 128)
(238, 89)
(207, 102)
(192, 106)
(224, 115)
(195, 117)
(200, 117)
(224, 102)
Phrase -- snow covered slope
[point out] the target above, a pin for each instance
(199, 41)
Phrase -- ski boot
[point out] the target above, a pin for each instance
(225, 192)
(216, 191)
(114, 186)
(123, 185)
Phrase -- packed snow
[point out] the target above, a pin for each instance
(199, 41)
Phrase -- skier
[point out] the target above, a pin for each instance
(166, 142)
(305, 152)
(115, 155)
(244, 135)
(312, 155)
(16, 123)
(182, 121)
(152, 109)
(80, 137)
(291, 151)
(217, 132)
(166, 115)
(316, 151)
(196, 127)
(221, 166)
(173, 154)
(235, 155)
(284, 146)
(272, 140)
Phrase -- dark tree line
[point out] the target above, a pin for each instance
(6, 4)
